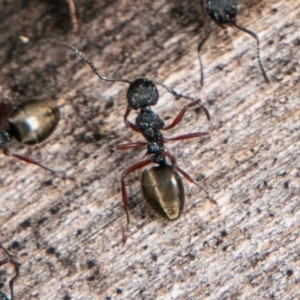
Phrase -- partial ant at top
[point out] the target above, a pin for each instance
(161, 185)
(223, 13)
(9, 260)
(29, 123)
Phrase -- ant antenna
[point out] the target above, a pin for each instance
(178, 95)
(86, 60)
(202, 42)
(224, 13)
(170, 90)
(254, 35)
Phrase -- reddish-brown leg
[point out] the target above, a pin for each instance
(179, 117)
(15, 264)
(166, 140)
(2, 108)
(6, 152)
(185, 136)
(131, 145)
(127, 122)
(186, 175)
(132, 168)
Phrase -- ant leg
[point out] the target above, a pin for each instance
(15, 264)
(6, 152)
(187, 176)
(132, 168)
(201, 43)
(127, 122)
(185, 136)
(92, 66)
(72, 10)
(257, 50)
(179, 117)
(2, 108)
(176, 94)
(131, 145)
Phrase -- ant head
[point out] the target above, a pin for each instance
(142, 92)
(222, 11)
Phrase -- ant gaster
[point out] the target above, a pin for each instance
(161, 185)
(29, 123)
(9, 260)
(224, 12)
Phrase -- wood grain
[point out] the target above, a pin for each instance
(70, 234)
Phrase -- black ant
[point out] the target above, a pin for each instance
(161, 185)
(29, 123)
(224, 12)
(16, 265)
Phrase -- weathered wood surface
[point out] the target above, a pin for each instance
(246, 247)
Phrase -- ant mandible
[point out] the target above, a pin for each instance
(161, 185)
(16, 265)
(224, 12)
(29, 123)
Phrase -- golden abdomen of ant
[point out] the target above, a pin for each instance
(32, 122)
(163, 190)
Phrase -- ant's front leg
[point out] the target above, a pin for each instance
(127, 122)
(185, 136)
(131, 145)
(179, 117)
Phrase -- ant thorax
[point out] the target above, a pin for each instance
(150, 124)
